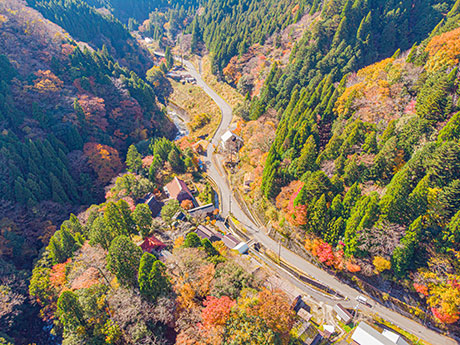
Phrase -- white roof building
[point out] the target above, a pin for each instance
(242, 247)
(342, 313)
(231, 142)
(364, 334)
(395, 338)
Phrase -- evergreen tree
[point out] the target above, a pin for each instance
(123, 260)
(153, 279)
(99, 233)
(133, 160)
(196, 36)
(142, 217)
(320, 216)
(58, 193)
(169, 58)
(192, 240)
(307, 158)
(176, 161)
(70, 311)
(403, 254)
(209, 248)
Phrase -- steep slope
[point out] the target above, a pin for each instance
(67, 116)
(86, 24)
(365, 172)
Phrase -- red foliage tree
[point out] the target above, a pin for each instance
(445, 317)
(216, 311)
(94, 109)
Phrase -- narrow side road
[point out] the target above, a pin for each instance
(293, 259)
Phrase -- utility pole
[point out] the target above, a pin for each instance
(230, 202)
(279, 250)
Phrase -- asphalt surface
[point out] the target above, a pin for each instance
(228, 201)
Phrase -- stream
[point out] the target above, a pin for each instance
(179, 122)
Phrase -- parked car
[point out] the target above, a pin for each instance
(362, 299)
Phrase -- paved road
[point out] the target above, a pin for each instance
(215, 172)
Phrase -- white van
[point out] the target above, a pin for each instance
(362, 299)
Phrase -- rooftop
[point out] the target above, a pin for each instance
(204, 232)
(342, 313)
(176, 187)
(152, 243)
(230, 241)
(365, 334)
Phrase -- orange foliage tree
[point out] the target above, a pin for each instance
(325, 253)
(441, 289)
(58, 275)
(443, 50)
(274, 307)
(186, 204)
(104, 160)
(47, 83)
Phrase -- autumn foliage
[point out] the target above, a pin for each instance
(443, 50)
(186, 204)
(216, 311)
(104, 160)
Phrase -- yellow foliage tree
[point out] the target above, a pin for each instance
(381, 264)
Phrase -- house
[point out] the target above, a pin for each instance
(242, 247)
(202, 211)
(365, 334)
(154, 205)
(328, 331)
(298, 304)
(307, 333)
(343, 314)
(231, 142)
(200, 147)
(177, 189)
(174, 76)
(230, 241)
(233, 243)
(151, 244)
(204, 232)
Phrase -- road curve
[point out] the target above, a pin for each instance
(323, 277)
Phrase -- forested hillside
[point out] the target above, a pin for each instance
(96, 285)
(85, 24)
(67, 115)
(363, 168)
(351, 148)
(139, 10)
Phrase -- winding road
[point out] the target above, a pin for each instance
(258, 234)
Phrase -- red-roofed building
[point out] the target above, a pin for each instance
(151, 244)
(177, 189)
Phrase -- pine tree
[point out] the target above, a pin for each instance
(196, 36)
(335, 229)
(58, 193)
(320, 217)
(307, 159)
